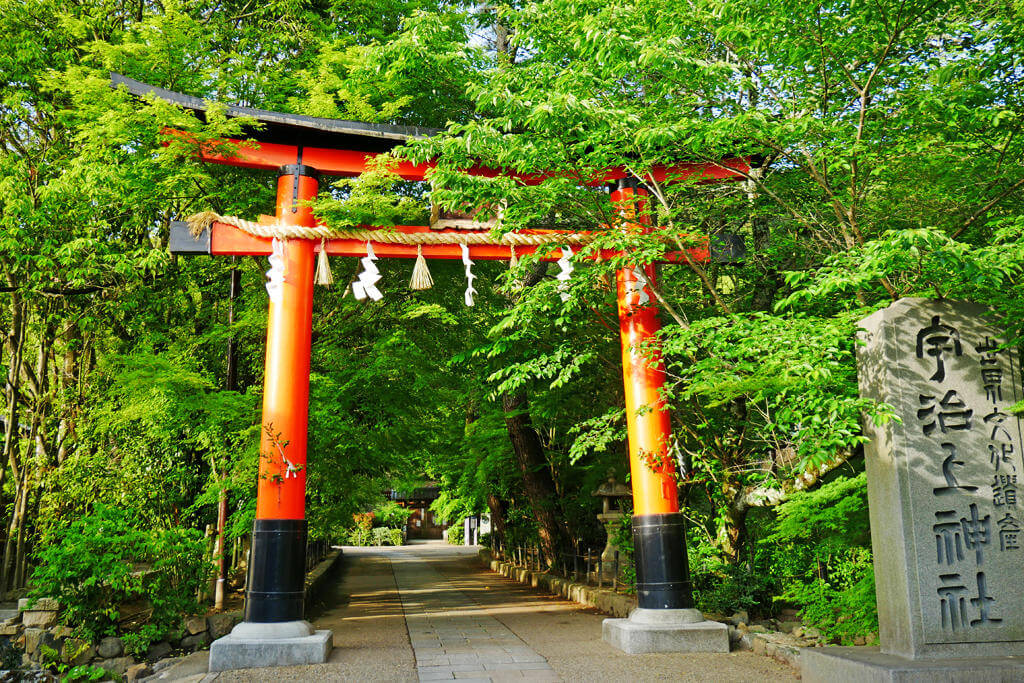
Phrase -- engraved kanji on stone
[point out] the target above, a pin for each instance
(995, 420)
(938, 340)
(950, 414)
(1000, 454)
(952, 602)
(1009, 532)
(949, 540)
(1004, 489)
(948, 465)
(982, 603)
(977, 532)
(992, 379)
(988, 349)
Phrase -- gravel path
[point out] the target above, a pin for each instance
(434, 606)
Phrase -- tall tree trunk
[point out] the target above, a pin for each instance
(10, 545)
(15, 344)
(496, 506)
(533, 466)
(68, 384)
(231, 384)
(537, 481)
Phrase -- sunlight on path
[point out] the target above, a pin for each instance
(452, 637)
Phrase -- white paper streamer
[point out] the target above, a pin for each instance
(290, 469)
(366, 284)
(563, 276)
(638, 286)
(275, 276)
(469, 275)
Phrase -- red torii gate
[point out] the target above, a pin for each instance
(300, 149)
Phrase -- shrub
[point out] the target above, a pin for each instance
(822, 548)
(100, 561)
(393, 515)
(360, 536)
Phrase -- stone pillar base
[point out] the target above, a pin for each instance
(665, 630)
(869, 665)
(251, 645)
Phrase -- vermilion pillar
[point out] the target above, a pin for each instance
(274, 591)
(663, 580)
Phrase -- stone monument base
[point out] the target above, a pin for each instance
(252, 645)
(665, 630)
(869, 665)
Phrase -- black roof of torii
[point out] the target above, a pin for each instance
(291, 129)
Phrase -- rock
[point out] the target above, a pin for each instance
(158, 651)
(798, 632)
(744, 643)
(133, 673)
(117, 665)
(194, 625)
(34, 637)
(757, 628)
(195, 642)
(221, 624)
(110, 647)
(157, 667)
(63, 632)
(790, 626)
(812, 633)
(860, 640)
(740, 616)
(734, 634)
(77, 651)
(39, 604)
(787, 614)
(38, 618)
(10, 629)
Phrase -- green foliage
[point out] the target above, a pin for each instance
(85, 672)
(359, 536)
(100, 562)
(391, 514)
(10, 656)
(821, 547)
(377, 536)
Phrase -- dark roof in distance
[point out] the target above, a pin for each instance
(292, 129)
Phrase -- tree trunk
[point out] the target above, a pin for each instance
(68, 382)
(732, 531)
(13, 529)
(231, 384)
(496, 506)
(15, 343)
(537, 481)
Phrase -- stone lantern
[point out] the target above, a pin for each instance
(609, 492)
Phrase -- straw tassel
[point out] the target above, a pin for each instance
(324, 276)
(420, 273)
(513, 260)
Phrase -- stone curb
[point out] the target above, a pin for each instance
(615, 604)
(319, 577)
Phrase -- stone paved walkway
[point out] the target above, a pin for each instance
(453, 636)
(433, 612)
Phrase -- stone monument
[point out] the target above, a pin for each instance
(611, 513)
(946, 521)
